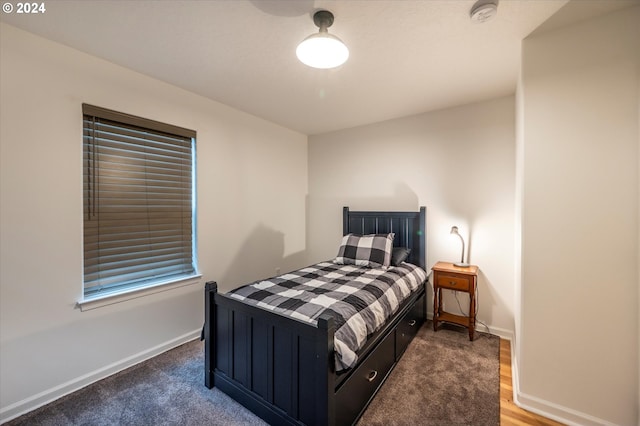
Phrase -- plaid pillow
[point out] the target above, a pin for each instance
(372, 250)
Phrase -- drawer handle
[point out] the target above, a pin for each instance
(371, 377)
(452, 283)
(412, 323)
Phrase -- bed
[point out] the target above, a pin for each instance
(285, 370)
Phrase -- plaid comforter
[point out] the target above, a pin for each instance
(360, 299)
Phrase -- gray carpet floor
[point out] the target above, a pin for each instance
(443, 379)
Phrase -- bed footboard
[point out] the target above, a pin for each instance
(279, 368)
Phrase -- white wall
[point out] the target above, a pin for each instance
(578, 344)
(459, 163)
(251, 189)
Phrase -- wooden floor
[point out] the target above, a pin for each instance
(510, 413)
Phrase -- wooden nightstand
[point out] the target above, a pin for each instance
(450, 277)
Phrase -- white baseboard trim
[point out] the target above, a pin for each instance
(549, 409)
(26, 405)
(503, 333)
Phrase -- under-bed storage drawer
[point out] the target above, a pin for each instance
(355, 393)
(409, 326)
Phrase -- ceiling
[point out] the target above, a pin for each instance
(407, 57)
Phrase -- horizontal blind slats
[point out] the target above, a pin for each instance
(138, 206)
(106, 128)
(121, 265)
(134, 152)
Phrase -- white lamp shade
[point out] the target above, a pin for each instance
(322, 50)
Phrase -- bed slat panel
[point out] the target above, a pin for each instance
(260, 359)
(307, 383)
(224, 340)
(400, 228)
(241, 354)
(282, 371)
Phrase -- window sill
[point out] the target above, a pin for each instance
(99, 301)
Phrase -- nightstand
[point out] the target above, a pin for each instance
(450, 277)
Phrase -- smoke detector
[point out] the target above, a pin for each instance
(482, 11)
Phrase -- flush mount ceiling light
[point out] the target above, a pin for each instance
(483, 10)
(322, 50)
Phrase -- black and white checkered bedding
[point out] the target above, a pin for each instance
(360, 299)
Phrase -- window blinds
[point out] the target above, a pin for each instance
(138, 201)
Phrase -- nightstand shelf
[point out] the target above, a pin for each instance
(449, 277)
(453, 318)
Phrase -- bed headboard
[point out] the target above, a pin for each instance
(409, 227)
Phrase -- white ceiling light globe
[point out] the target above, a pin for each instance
(322, 50)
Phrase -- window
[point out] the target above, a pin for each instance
(139, 202)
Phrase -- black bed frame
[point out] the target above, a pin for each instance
(283, 370)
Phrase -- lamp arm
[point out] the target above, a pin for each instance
(462, 256)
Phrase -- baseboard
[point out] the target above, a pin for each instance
(503, 333)
(548, 409)
(31, 403)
